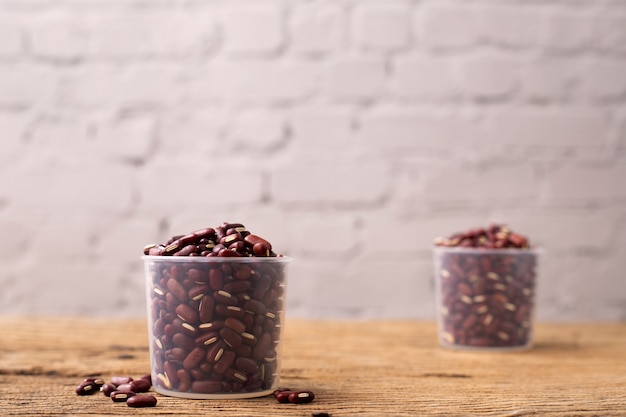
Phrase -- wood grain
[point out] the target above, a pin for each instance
(369, 368)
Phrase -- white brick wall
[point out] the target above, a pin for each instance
(350, 133)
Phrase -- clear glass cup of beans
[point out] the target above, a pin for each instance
(215, 314)
(485, 282)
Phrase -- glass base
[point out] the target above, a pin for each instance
(216, 396)
(468, 348)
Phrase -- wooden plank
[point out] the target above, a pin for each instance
(368, 368)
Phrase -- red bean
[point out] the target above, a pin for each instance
(206, 387)
(87, 388)
(301, 397)
(97, 381)
(121, 396)
(107, 389)
(142, 401)
(119, 380)
(282, 396)
(124, 387)
(140, 385)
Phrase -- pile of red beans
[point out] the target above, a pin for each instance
(216, 325)
(493, 237)
(226, 240)
(286, 395)
(487, 291)
(120, 389)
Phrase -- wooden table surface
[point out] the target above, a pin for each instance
(368, 368)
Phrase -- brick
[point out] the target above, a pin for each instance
(547, 128)
(620, 141)
(10, 37)
(59, 35)
(321, 130)
(605, 80)
(511, 26)
(315, 274)
(252, 29)
(580, 183)
(14, 127)
(333, 184)
(117, 35)
(326, 237)
(489, 78)
(399, 130)
(258, 82)
(69, 185)
(257, 130)
(409, 279)
(71, 290)
(208, 184)
(56, 182)
(451, 183)
(85, 233)
(316, 28)
(567, 293)
(383, 27)
(14, 249)
(28, 5)
(611, 35)
(426, 78)
(120, 35)
(125, 238)
(355, 78)
(184, 33)
(200, 130)
(52, 128)
(449, 26)
(567, 31)
(127, 137)
(417, 236)
(589, 293)
(549, 80)
(99, 85)
(25, 85)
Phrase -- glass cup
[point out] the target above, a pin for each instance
(215, 325)
(485, 297)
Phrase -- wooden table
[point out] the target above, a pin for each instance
(371, 368)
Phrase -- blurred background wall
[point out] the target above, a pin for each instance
(350, 133)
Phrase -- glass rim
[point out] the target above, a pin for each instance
(489, 251)
(217, 259)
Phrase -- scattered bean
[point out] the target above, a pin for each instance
(141, 385)
(301, 397)
(285, 395)
(107, 389)
(97, 381)
(141, 401)
(87, 388)
(124, 387)
(121, 396)
(119, 380)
